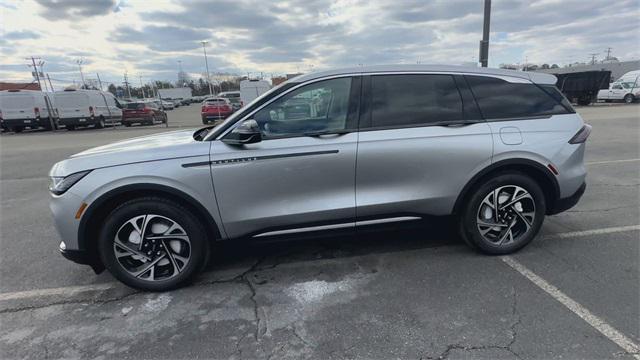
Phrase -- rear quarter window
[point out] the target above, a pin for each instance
(500, 99)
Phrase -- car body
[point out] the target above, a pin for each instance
(233, 97)
(143, 113)
(626, 88)
(335, 151)
(167, 105)
(86, 107)
(25, 108)
(215, 109)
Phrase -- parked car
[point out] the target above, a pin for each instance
(214, 109)
(167, 105)
(233, 97)
(382, 145)
(626, 88)
(25, 108)
(143, 113)
(86, 107)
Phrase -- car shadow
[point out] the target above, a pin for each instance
(238, 253)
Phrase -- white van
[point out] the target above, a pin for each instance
(626, 88)
(251, 89)
(86, 107)
(24, 108)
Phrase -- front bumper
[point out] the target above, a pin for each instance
(81, 257)
(567, 203)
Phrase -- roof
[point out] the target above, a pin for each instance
(19, 86)
(538, 78)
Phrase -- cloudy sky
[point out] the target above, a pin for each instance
(148, 38)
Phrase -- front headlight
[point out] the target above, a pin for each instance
(58, 184)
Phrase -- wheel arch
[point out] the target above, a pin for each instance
(90, 224)
(538, 172)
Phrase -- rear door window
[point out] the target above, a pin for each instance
(414, 100)
(500, 99)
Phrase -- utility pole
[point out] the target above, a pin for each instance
(99, 81)
(35, 68)
(608, 53)
(142, 87)
(50, 84)
(126, 84)
(79, 62)
(593, 58)
(206, 62)
(484, 43)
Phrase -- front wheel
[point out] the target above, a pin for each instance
(503, 214)
(153, 244)
(100, 124)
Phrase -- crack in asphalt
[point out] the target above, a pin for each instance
(70, 301)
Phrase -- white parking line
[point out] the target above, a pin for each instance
(611, 161)
(609, 230)
(605, 329)
(66, 291)
(74, 290)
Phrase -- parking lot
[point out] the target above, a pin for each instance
(412, 294)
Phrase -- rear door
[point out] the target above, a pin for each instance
(18, 106)
(421, 139)
(301, 177)
(71, 104)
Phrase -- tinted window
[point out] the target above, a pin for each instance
(499, 99)
(318, 107)
(134, 106)
(400, 100)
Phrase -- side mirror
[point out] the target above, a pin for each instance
(246, 133)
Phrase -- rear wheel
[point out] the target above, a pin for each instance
(17, 129)
(628, 98)
(503, 214)
(71, 127)
(153, 244)
(100, 124)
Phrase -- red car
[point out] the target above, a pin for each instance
(214, 109)
(144, 113)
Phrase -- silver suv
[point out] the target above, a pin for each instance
(332, 151)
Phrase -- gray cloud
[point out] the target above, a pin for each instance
(21, 35)
(162, 38)
(63, 9)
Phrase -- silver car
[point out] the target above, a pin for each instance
(326, 152)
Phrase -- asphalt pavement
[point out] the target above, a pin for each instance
(573, 293)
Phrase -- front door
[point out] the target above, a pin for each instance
(301, 176)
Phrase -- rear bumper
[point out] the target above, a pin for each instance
(568, 202)
(85, 120)
(25, 122)
(136, 119)
(215, 116)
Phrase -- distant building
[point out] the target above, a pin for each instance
(617, 68)
(19, 86)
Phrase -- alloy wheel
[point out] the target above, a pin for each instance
(152, 247)
(506, 214)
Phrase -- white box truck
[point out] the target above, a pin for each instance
(175, 95)
(251, 89)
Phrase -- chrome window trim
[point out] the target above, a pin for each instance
(510, 79)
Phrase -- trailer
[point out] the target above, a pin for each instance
(583, 87)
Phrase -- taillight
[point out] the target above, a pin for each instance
(36, 111)
(146, 109)
(582, 135)
(91, 111)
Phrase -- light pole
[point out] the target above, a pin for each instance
(206, 63)
(79, 62)
(484, 43)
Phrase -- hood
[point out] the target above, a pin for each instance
(169, 145)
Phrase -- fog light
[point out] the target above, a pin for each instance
(63, 246)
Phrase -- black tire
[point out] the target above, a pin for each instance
(468, 226)
(100, 124)
(629, 98)
(71, 127)
(127, 124)
(199, 244)
(17, 129)
(205, 121)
